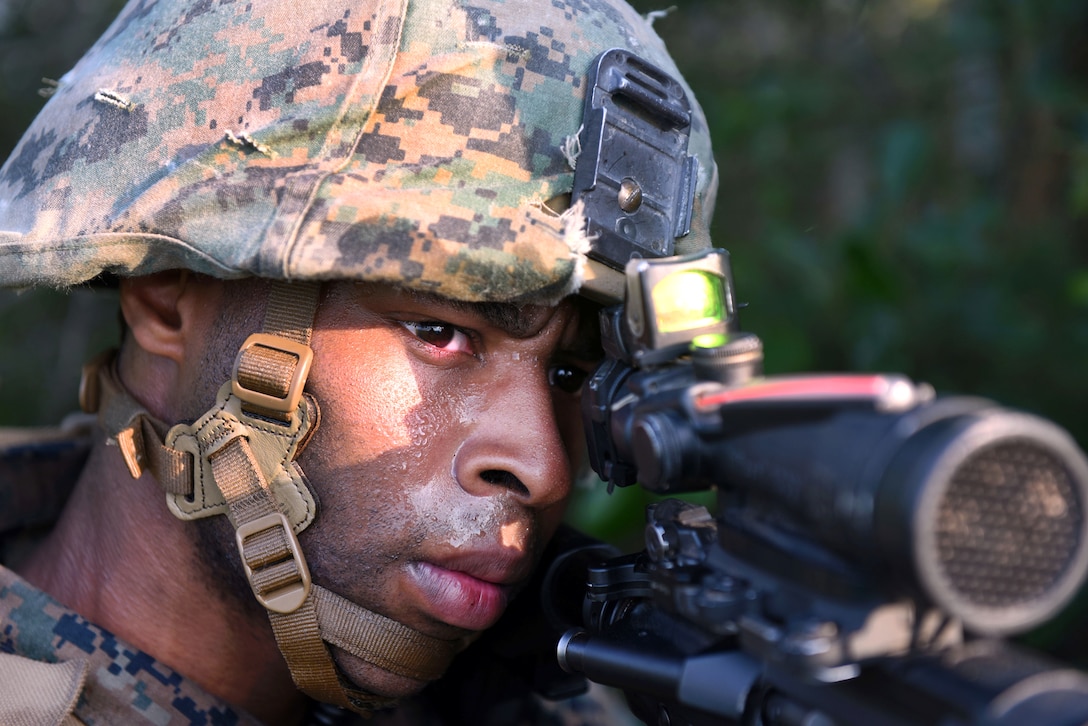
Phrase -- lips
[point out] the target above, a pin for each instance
(466, 594)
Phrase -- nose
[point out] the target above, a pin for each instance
(516, 445)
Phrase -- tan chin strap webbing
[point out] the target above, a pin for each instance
(247, 444)
(277, 572)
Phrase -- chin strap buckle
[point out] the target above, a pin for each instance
(273, 562)
(270, 373)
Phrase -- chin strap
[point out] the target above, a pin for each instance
(238, 459)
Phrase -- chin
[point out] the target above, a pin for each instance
(368, 677)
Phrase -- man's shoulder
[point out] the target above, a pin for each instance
(116, 682)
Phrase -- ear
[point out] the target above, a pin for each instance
(167, 312)
(150, 307)
(170, 317)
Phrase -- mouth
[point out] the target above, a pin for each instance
(462, 596)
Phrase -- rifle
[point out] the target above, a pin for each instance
(873, 545)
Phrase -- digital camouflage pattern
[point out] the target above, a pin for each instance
(406, 142)
(120, 683)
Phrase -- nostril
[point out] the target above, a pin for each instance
(505, 479)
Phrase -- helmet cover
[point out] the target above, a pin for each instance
(409, 142)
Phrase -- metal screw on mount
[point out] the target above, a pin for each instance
(630, 195)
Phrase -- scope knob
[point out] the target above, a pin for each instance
(738, 361)
(657, 452)
(666, 452)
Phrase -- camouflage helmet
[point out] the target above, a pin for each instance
(417, 143)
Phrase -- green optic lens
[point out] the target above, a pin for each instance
(687, 300)
(710, 340)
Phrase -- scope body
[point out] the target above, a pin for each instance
(968, 506)
(866, 534)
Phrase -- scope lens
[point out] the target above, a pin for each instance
(710, 340)
(688, 300)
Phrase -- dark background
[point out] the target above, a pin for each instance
(904, 187)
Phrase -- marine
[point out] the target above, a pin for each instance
(343, 424)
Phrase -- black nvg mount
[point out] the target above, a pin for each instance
(871, 542)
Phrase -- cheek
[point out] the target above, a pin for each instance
(386, 420)
(367, 392)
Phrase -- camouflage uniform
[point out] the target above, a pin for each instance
(109, 682)
(92, 675)
(424, 144)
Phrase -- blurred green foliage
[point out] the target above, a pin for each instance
(904, 187)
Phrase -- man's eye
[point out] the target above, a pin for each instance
(568, 379)
(441, 335)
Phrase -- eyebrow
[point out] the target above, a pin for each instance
(522, 321)
(518, 321)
